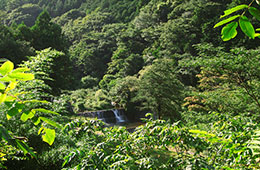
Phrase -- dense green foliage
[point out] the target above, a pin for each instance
(13, 105)
(229, 81)
(162, 145)
(170, 58)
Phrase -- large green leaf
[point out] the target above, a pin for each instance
(2, 86)
(7, 79)
(226, 21)
(27, 115)
(12, 112)
(49, 136)
(35, 101)
(247, 27)
(36, 121)
(229, 31)
(11, 86)
(255, 12)
(10, 98)
(257, 35)
(7, 67)
(2, 97)
(203, 133)
(46, 111)
(21, 70)
(22, 76)
(50, 122)
(232, 10)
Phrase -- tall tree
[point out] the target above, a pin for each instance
(12, 49)
(160, 90)
(47, 34)
(26, 13)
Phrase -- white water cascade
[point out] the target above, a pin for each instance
(120, 117)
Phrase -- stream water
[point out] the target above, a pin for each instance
(114, 116)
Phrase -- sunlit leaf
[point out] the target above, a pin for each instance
(247, 27)
(40, 130)
(27, 115)
(22, 76)
(229, 31)
(257, 35)
(7, 67)
(226, 21)
(2, 154)
(46, 111)
(201, 132)
(2, 86)
(21, 70)
(255, 142)
(37, 121)
(11, 86)
(50, 122)
(232, 10)
(10, 98)
(2, 97)
(7, 79)
(35, 101)
(49, 136)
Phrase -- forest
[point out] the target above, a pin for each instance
(186, 73)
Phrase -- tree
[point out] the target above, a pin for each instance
(23, 33)
(68, 16)
(92, 53)
(47, 34)
(52, 68)
(160, 90)
(20, 48)
(122, 93)
(124, 63)
(26, 13)
(228, 81)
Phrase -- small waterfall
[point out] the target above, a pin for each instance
(112, 116)
(120, 117)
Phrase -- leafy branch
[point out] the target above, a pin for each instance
(229, 31)
(9, 79)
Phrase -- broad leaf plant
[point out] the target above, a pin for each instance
(229, 31)
(9, 79)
